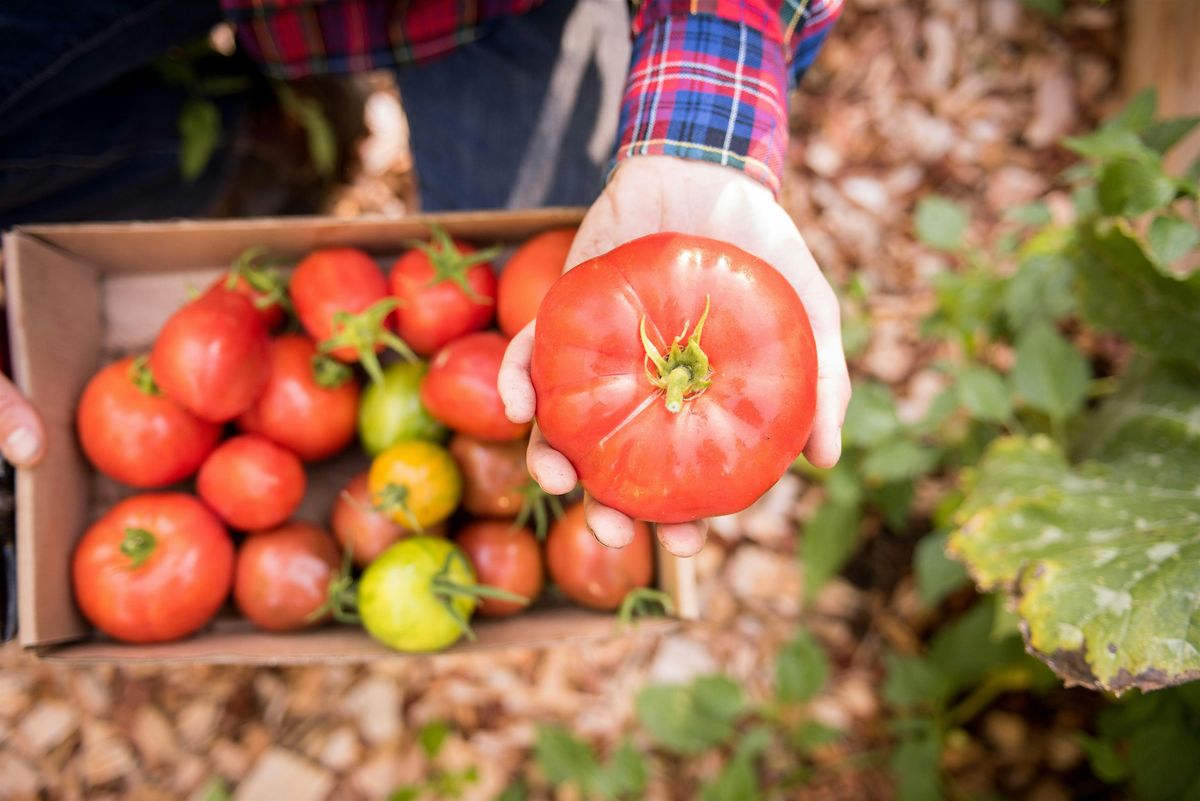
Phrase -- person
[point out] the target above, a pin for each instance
(511, 103)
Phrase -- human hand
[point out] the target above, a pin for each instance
(22, 436)
(649, 194)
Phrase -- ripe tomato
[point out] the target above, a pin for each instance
(310, 403)
(593, 574)
(445, 289)
(460, 388)
(415, 483)
(494, 475)
(504, 557)
(391, 410)
(361, 528)
(212, 356)
(132, 432)
(284, 575)
(663, 429)
(252, 483)
(155, 567)
(265, 286)
(342, 300)
(528, 275)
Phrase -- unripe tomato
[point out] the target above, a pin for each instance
(391, 410)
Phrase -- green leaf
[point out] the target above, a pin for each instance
(691, 719)
(432, 736)
(801, 669)
(405, 794)
(625, 774)
(1123, 292)
(737, 781)
(937, 574)
(1103, 559)
(810, 734)
(1171, 238)
(1163, 764)
(1104, 759)
(1040, 291)
(562, 758)
(1036, 213)
(871, 416)
(913, 681)
(1131, 187)
(985, 394)
(1051, 8)
(966, 651)
(1108, 143)
(940, 222)
(1164, 135)
(915, 764)
(322, 142)
(899, 460)
(1137, 113)
(941, 409)
(199, 131)
(830, 538)
(517, 791)
(1049, 373)
(216, 790)
(894, 501)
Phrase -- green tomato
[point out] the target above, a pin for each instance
(416, 596)
(391, 410)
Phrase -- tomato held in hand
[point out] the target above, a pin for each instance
(504, 557)
(130, 431)
(415, 483)
(252, 483)
(527, 277)
(445, 289)
(361, 528)
(285, 575)
(460, 388)
(212, 356)
(593, 574)
(677, 374)
(310, 403)
(266, 287)
(391, 410)
(156, 567)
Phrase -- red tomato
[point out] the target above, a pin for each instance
(593, 574)
(361, 528)
(528, 275)
(310, 403)
(252, 483)
(460, 388)
(264, 286)
(666, 426)
(130, 431)
(494, 475)
(156, 567)
(283, 576)
(503, 557)
(445, 289)
(212, 356)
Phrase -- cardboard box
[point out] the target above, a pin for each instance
(82, 295)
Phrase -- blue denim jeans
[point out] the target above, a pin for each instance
(524, 116)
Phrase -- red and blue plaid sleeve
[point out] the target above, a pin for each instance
(709, 79)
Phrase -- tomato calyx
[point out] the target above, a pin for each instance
(394, 498)
(143, 378)
(328, 372)
(644, 602)
(270, 285)
(684, 372)
(364, 331)
(451, 264)
(341, 601)
(446, 590)
(138, 545)
(540, 505)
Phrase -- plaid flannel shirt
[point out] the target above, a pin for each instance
(708, 81)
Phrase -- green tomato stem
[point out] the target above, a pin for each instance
(364, 331)
(138, 544)
(685, 371)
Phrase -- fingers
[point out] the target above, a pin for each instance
(516, 388)
(683, 539)
(550, 469)
(22, 436)
(610, 527)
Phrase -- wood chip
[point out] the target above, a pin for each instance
(280, 774)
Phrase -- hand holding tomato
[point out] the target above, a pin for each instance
(649, 194)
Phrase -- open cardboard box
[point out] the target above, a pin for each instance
(80, 296)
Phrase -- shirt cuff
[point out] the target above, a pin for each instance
(707, 88)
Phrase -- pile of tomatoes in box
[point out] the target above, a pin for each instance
(261, 376)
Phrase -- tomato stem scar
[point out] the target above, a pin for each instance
(685, 371)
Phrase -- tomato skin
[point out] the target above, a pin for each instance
(283, 576)
(391, 410)
(433, 311)
(396, 595)
(596, 405)
(252, 483)
(272, 314)
(528, 275)
(295, 411)
(504, 557)
(335, 280)
(175, 591)
(141, 439)
(425, 478)
(593, 574)
(212, 356)
(460, 388)
(494, 475)
(362, 529)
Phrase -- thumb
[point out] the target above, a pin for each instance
(22, 436)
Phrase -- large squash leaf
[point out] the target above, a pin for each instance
(1102, 559)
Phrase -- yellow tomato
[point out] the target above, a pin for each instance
(415, 483)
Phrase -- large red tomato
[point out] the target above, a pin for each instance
(528, 275)
(445, 289)
(504, 557)
(130, 431)
(310, 403)
(460, 388)
(252, 483)
(677, 374)
(284, 576)
(156, 567)
(212, 356)
(593, 574)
